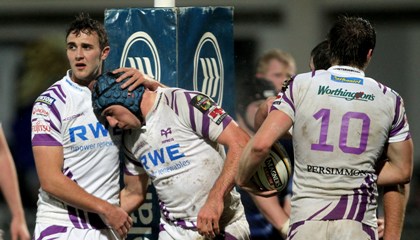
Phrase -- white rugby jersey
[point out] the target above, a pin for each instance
(341, 121)
(63, 116)
(177, 148)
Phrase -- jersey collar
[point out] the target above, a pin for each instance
(347, 69)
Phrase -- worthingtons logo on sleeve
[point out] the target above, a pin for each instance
(140, 52)
(208, 68)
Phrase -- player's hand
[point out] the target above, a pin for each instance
(208, 218)
(118, 220)
(135, 79)
(18, 229)
(381, 227)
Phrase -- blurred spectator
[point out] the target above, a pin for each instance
(273, 68)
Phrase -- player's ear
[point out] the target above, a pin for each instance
(105, 52)
(370, 53)
(368, 57)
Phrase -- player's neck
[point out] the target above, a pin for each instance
(147, 102)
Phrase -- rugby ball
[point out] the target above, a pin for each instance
(274, 173)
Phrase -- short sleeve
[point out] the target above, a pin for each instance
(46, 121)
(400, 128)
(202, 114)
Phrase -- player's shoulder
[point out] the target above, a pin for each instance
(382, 88)
(57, 91)
(304, 80)
(309, 77)
(170, 95)
(180, 95)
(303, 76)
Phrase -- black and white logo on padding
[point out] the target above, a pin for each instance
(140, 52)
(208, 68)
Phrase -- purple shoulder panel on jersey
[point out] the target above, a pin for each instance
(397, 110)
(58, 86)
(57, 93)
(289, 101)
(283, 96)
(191, 110)
(286, 100)
(397, 126)
(174, 103)
(291, 89)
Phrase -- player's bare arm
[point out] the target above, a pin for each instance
(399, 167)
(262, 112)
(134, 192)
(395, 201)
(273, 212)
(276, 125)
(49, 163)
(235, 139)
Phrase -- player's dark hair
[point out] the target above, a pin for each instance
(320, 55)
(350, 40)
(85, 24)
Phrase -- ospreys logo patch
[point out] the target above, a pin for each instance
(202, 103)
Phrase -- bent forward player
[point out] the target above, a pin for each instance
(177, 137)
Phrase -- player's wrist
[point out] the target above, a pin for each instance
(105, 208)
(285, 228)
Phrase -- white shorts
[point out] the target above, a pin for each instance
(45, 231)
(332, 230)
(238, 230)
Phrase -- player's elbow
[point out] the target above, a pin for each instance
(403, 176)
(138, 201)
(406, 172)
(47, 186)
(260, 149)
(406, 176)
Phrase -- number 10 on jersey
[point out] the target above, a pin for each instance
(324, 114)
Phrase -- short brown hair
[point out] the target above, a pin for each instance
(84, 23)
